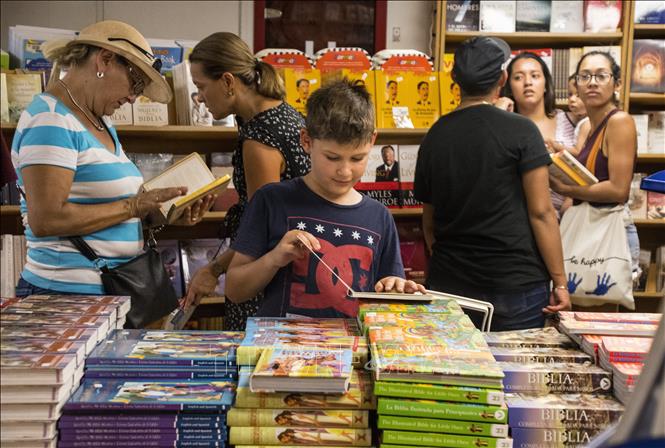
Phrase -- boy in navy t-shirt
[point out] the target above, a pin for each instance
(351, 233)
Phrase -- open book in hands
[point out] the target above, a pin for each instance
(367, 295)
(567, 169)
(191, 172)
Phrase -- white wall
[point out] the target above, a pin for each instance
(415, 19)
(194, 19)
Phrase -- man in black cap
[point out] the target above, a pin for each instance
(488, 219)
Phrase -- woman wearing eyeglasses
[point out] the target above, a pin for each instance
(230, 80)
(72, 171)
(611, 145)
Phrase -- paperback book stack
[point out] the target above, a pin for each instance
(45, 340)
(625, 358)
(436, 381)
(546, 375)
(308, 386)
(154, 388)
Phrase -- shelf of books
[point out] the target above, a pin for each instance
(534, 39)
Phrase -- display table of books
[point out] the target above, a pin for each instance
(400, 376)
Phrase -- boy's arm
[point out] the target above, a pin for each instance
(247, 276)
(398, 284)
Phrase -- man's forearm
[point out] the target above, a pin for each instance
(548, 239)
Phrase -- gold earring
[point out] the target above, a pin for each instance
(230, 93)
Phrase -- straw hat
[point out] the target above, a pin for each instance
(123, 40)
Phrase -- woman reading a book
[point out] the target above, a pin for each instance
(530, 92)
(611, 145)
(73, 174)
(231, 81)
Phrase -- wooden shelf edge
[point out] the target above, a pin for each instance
(406, 212)
(640, 222)
(10, 210)
(457, 36)
(648, 295)
(658, 158)
(213, 300)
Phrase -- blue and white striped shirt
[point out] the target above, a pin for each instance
(49, 134)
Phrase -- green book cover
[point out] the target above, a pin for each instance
(444, 410)
(443, 440)
(444, 426)
(241, 435)
(439, 392)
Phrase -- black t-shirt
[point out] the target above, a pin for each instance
(469, 169)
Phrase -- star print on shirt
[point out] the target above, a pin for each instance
(320, 228)
(337, 232)
(355, 235)
(301, 226)
(370, 240)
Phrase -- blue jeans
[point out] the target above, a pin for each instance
(512, 311)
(25, 288)
(633, 246)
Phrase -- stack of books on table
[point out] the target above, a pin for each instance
(177, 386)
(545, 376)
(436, 381)
(307, 387)
(45, 340)
(625, 358)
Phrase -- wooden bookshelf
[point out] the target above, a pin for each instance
(647, 30)
(650, 223)
(540, 39)
(647, 99)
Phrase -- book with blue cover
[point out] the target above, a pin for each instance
(122, 350)
(176, 396)
(176, 373)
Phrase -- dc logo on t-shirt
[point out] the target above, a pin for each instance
(348, 250)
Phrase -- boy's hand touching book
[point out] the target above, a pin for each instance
(397, 284)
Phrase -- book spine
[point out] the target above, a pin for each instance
(444, 426)
(443, 440)
(241, 435)
(557, 382)
(165, 375)
(546, 438)
(448, 411)
(125, 434)
(306, 418)
(141, 443)
(441, 393)
(184, 421)
(145, 407)
(211, 363)
(546, 417)
(353, 399)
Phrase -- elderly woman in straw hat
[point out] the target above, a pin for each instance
(74, 176)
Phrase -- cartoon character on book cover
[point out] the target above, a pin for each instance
(218, 351)
(302, 363)
(234, 337)
(314, 418)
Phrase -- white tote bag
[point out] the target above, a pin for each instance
(596, 256)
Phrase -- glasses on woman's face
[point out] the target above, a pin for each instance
(136, 80)
(601, 78)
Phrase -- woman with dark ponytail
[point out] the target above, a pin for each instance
(230, 80)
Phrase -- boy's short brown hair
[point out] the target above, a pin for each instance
(342, 112)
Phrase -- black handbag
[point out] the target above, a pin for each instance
(143, 278)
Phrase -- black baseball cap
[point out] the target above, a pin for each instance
(479, 62)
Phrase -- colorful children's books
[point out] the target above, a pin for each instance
(548, 437)
(231, 337)
(175, 373)
(563, 411)
(304, 324)
(99, 323)
(111, 352)
(556, 378)
(359, 396)
(618, 349)
(578, 327)
(113, 395)
(307, 418)
(10, 345)
(628, 318)
(36, 368)
(427, 391)
(536, 337)
(443, 410)
(302, 370)
(531, 355)
(445, 426)
(443, 440)
(25, 331)
(122, 302)
(299, 436)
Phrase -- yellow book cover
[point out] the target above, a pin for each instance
(300, 436)
(300, 84)
(569, 170)
(449, 90)
(21, 88)
(365, 76)
(422, 98)
(329, 418)
(391, 93)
